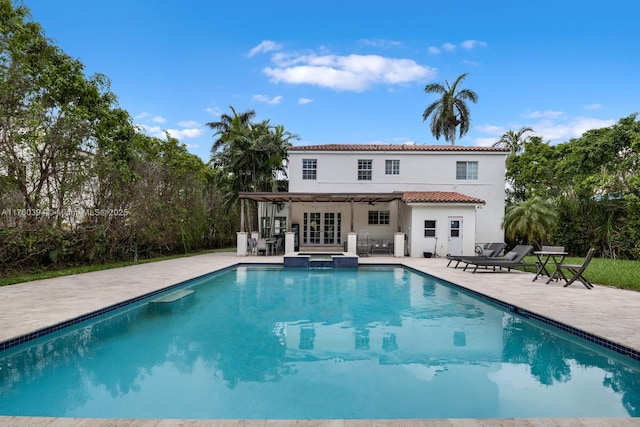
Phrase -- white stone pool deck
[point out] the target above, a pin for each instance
(605, 312)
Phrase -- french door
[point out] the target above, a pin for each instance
(321, 228)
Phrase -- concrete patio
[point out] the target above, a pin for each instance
(604, 312)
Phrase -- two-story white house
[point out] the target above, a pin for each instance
(422, 198)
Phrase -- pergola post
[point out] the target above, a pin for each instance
(242, 215)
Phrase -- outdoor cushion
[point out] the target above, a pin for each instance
(511, 255)
(487, 252)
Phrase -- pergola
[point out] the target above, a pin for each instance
(291, 198)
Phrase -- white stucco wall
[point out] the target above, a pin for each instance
(441, 214)
(419, 171)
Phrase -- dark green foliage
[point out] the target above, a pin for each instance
(247, 157)
(78, 183)
(594, 184)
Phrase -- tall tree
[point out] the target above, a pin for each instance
(226, 124)
(514, 141)
(248, 156)
(450, 111)
(532, 172)
(49, 112)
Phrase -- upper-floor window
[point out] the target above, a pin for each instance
(309, 168)
(467, 170)
(392, 167)
(378, 217)
(364, 170)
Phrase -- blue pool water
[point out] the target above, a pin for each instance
(376, 342)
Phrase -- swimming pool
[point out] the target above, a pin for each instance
(371, 342)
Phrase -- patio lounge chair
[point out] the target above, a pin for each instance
(576, 271)
(511, 259)
(492, 250)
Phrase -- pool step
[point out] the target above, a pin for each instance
(172, 296)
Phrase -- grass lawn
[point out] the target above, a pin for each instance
(618, 273)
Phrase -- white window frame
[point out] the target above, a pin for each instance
(392, 167)
(467, 171)
(382, 217)
(309, 169)
(365, 170)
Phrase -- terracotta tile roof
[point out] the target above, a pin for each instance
(438, 197)
(394, 147)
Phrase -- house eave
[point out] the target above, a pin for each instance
(319, 197)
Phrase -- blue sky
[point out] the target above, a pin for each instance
(355, 72)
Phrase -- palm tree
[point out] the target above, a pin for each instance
(248, 156)
(514, 141)
(226, 123)
(450, 111)
(531, 220)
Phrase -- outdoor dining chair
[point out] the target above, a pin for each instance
(253, 246)
(576, 271)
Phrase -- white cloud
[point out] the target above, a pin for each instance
(472, 63)
(491, 129)
(303, 101)
(471, 44)
(573, 128)
(382, 43)
(189, 124)
(190, 129)
(484, 142)
(214, 111)
(551, 126)
(263, 47)
(184, 133)
(448, 47)
(592, 106)
(264, 98)
(352, 72)
(542, 114)
(152, 130)
(150, 117)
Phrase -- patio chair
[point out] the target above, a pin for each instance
(492, 250)
(512, 259)
(261, 247)
(279, 245)
(253, 246)
(576, 271)
(363, 244)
